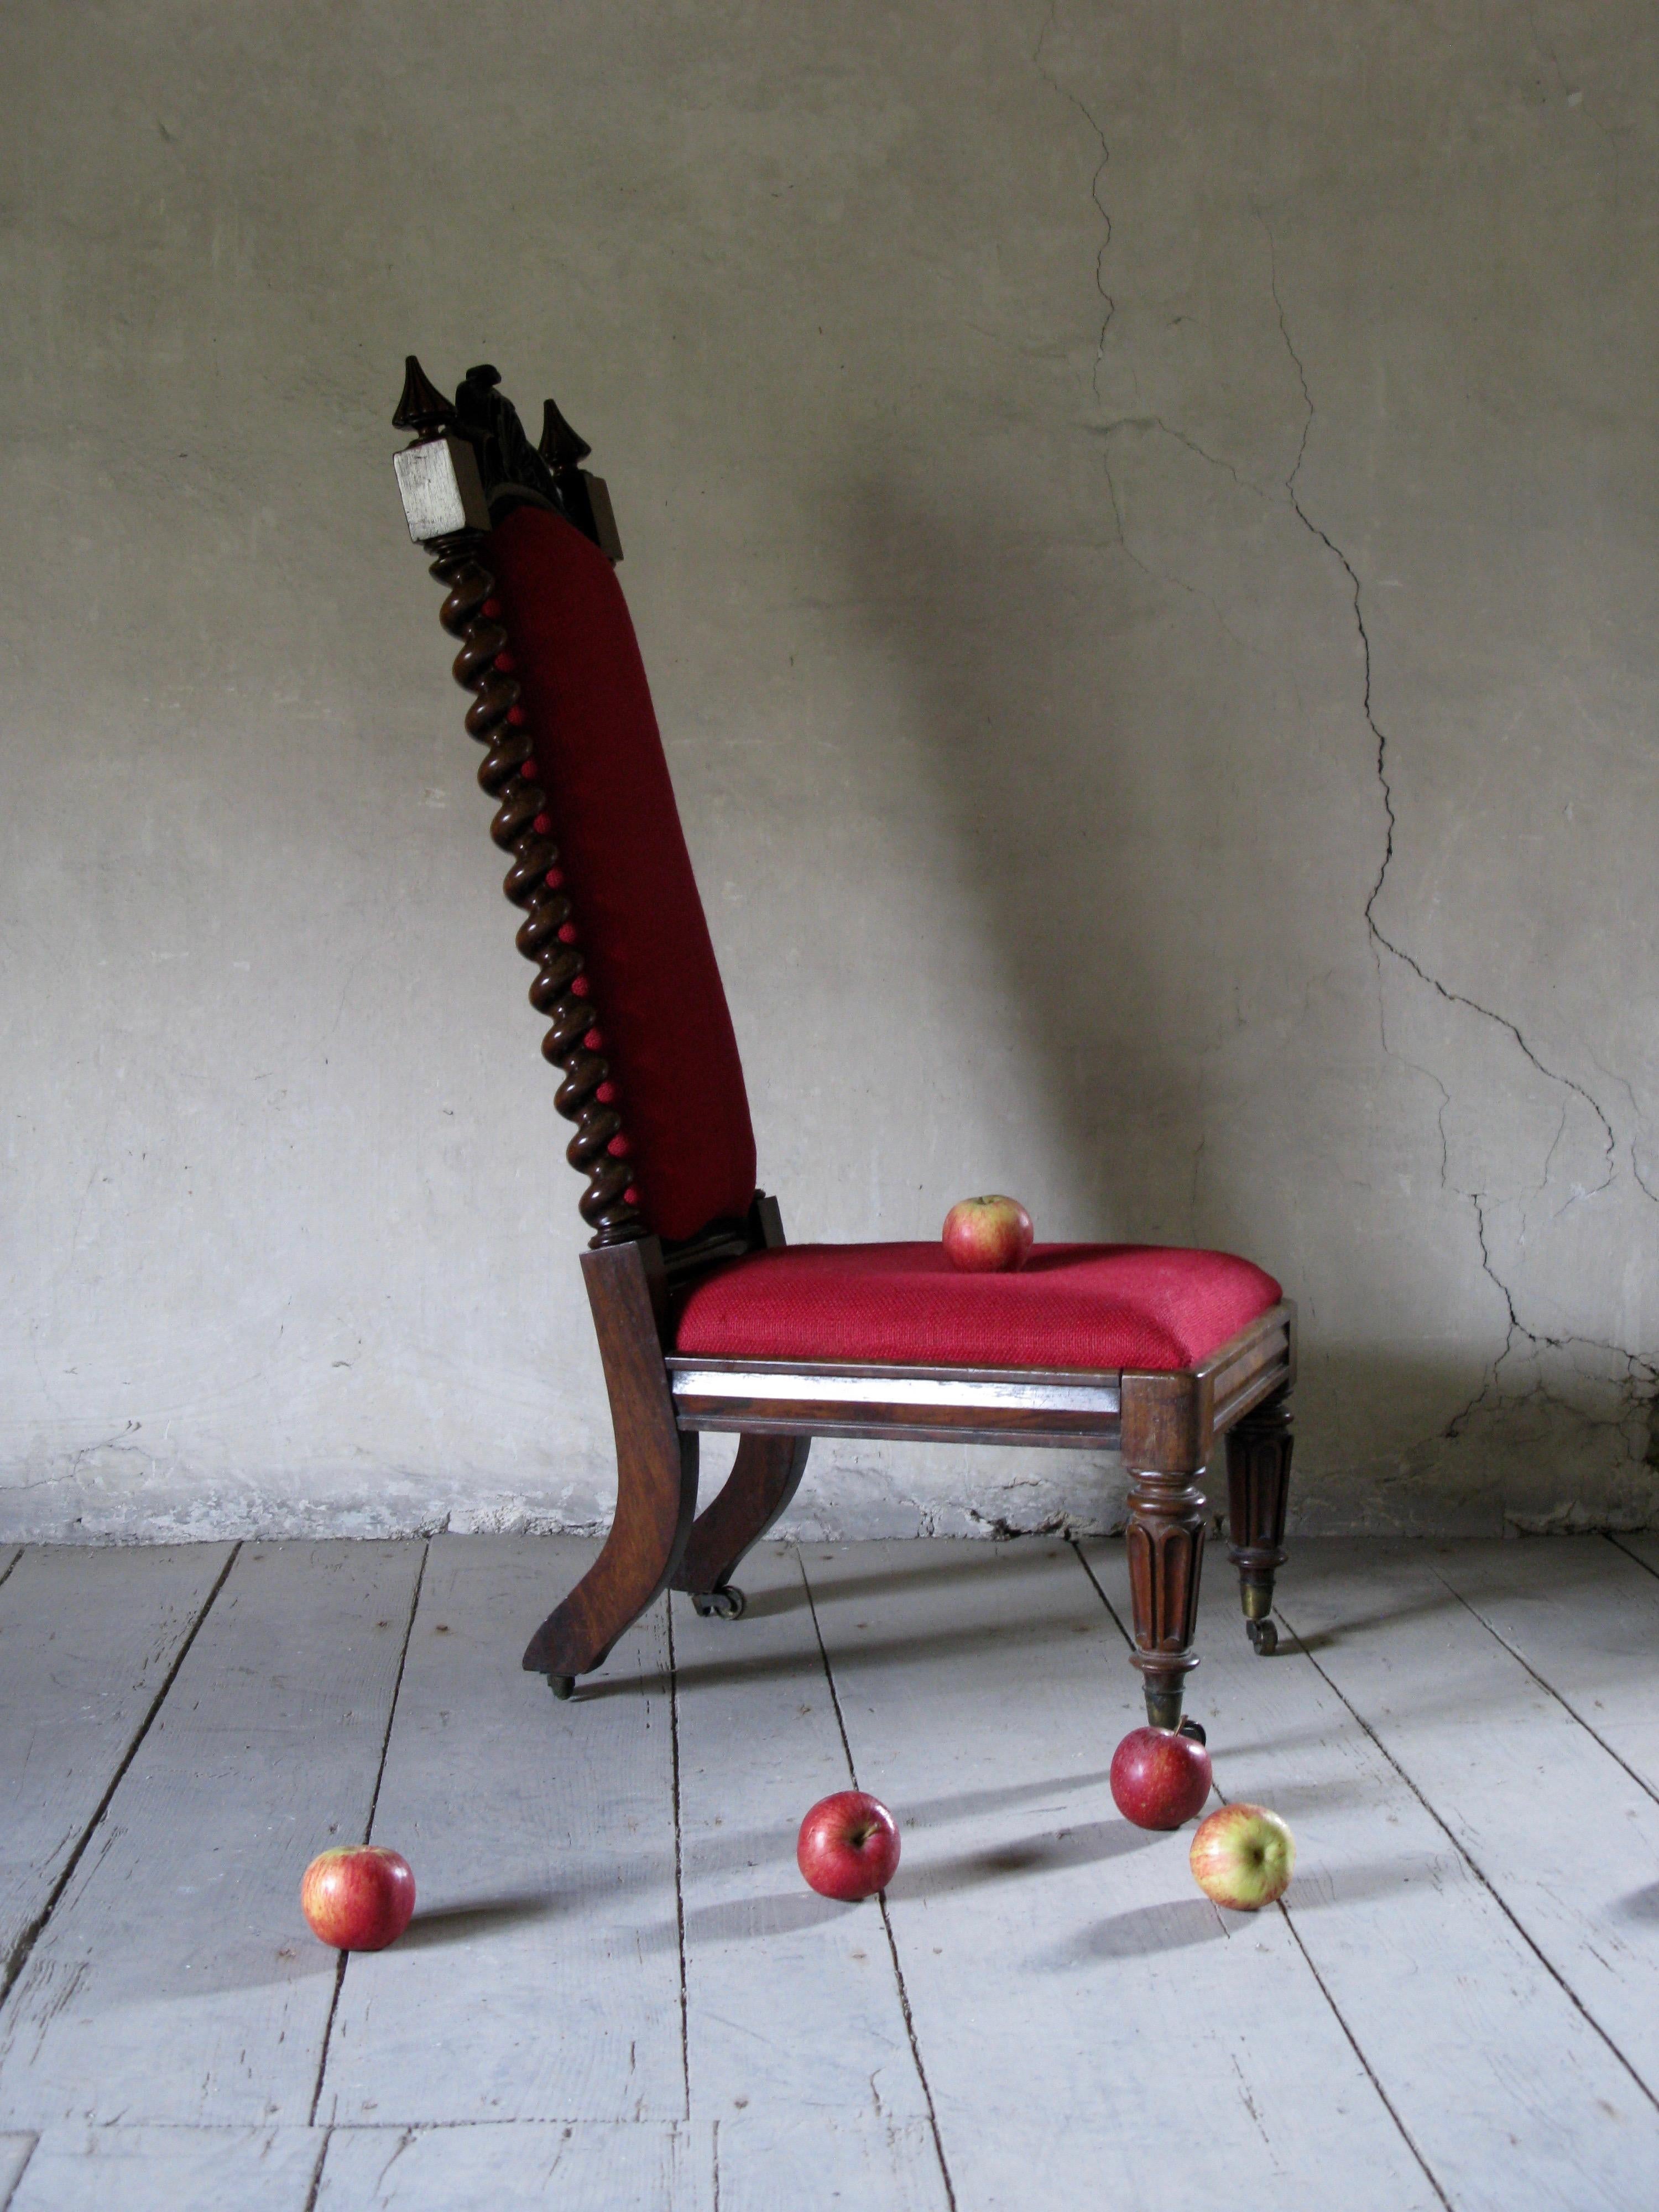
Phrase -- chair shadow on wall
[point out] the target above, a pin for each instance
(977, 625)
(1018, 654)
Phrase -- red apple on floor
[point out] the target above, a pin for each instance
(359, 1896)
(988, 1236)
(848, 1846)
(1244, 1857)
(1160, 1777)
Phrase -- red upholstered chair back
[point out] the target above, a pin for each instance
(636, 913)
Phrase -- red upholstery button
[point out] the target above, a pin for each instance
(619, 1148)
(528, 768)
(582, 986)
(606, 1094)
(543, 825)
(506, 663)
(568, 933)
(631, 1196)
(555, 880)
(516, 716)
(594, 1039)
(492, 608)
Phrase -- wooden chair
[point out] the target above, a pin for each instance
(706, 1320)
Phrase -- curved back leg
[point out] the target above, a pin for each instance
(764, 1477)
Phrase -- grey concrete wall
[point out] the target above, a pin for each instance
(1139, 517)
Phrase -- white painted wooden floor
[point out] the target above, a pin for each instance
(617, 1991)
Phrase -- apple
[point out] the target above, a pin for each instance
(358, 1896)
(848, 1846)
(988, 1236)
(1160, 1777)
(1243, 1858)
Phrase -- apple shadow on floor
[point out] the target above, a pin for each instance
(1140, 1933)
(772, 1914)
(1087, 1845)
(468, 1917)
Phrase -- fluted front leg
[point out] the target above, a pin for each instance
(1165, 1540)
(1258, 1483)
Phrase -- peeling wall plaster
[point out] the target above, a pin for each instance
(1140, 521)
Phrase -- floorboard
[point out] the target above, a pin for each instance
(1512, 2098)
(781, 1981)
(652, 2166)
(1460, 2005)
(164, 2169)
(787, 2154)
(1583, 1614)
(1532, 1820)
(175, 1980)
(541, 1978)
(1082, 2012)
(88, 1635)
(15, 2151)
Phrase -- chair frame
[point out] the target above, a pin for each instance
(469, 463)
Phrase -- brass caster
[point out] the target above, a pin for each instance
(726, 1604)
(1194, 1728)
(562, 1686)
(1263, 1636)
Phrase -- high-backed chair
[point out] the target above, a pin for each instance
(706, 1319)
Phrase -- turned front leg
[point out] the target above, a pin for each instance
(1258, 1483)
(1165, 1540)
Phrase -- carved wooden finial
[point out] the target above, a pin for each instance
(422, 408)
(560, 446)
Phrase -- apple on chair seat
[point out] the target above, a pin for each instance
(988, 1236)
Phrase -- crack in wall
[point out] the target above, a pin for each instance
(1641, 1377)
(1640, 1384)
(1071, 98)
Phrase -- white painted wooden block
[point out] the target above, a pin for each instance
(793, 2000)
(1093, 2031)
(176, 1980)
(540, 1979)
(88, 1633)
(641, 2165)
(149, 2169)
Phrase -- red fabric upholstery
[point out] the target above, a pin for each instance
(1075, 1306)
(657, 991)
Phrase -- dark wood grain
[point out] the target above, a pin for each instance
(1165, 1544)
(765, 1475)
(656, 1474)
(1259, 1448)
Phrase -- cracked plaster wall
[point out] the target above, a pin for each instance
(1140, 520)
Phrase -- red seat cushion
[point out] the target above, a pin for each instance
(1072, 1306)
(657, 991)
